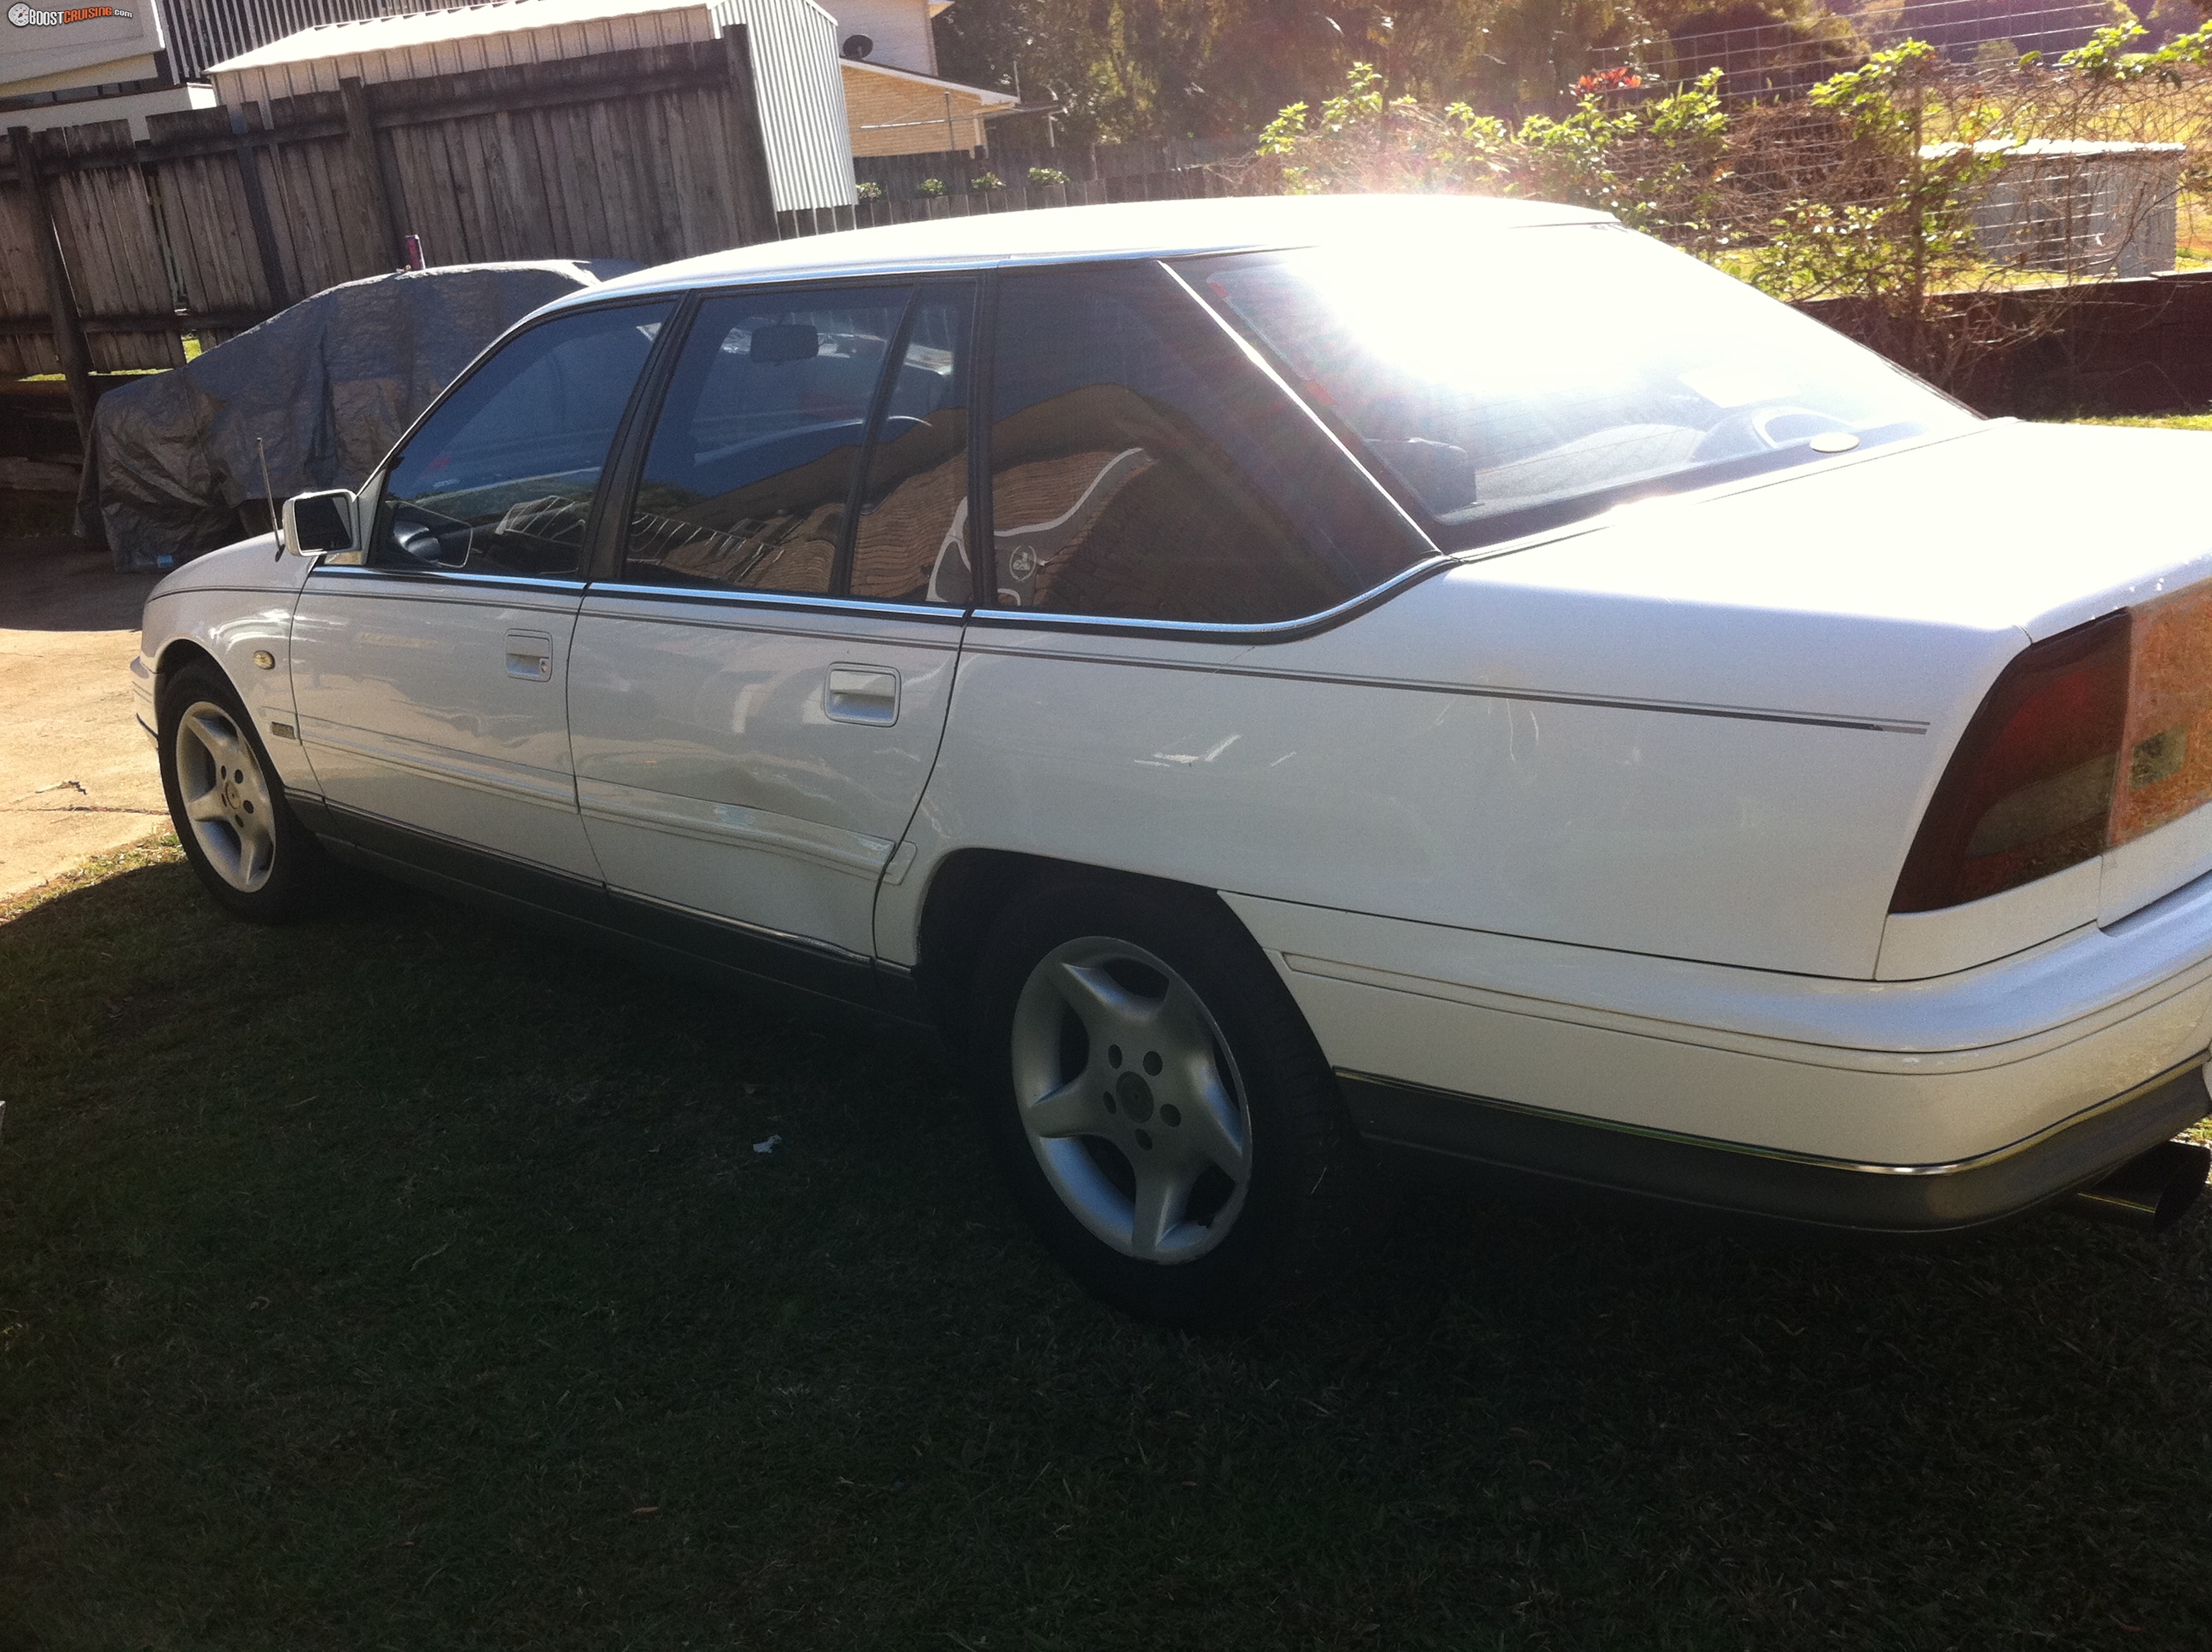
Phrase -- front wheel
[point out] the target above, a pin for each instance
(249, 849)
(1157, 1103)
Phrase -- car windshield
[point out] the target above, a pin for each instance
(1535, 376)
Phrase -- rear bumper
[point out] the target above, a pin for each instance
(1893, 1106)
(1441, 1129)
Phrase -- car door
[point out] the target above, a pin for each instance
(757, 698)
(429, 669)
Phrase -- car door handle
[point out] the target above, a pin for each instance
(530, 656)
(862, 694)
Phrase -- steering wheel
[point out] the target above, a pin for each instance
(1763, 430)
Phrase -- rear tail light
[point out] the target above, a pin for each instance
(2088, 740)
(2029, 791)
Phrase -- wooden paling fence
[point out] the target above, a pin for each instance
(900, 177)
(114, 252)
(1180, 183)
(225, 216)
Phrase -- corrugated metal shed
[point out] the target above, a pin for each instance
(802, 94)
(2075, 205)
(794, 49)
(206, 32)
(411, 44)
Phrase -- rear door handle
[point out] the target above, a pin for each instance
(530, 656)
(862, 694)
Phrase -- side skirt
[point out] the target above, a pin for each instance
(1433, 1130)
(805, 980)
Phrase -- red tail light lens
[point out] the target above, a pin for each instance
(2030, 790)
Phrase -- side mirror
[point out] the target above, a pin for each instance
(315, 523)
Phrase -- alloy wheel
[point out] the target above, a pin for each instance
(1131, 1100)
(226, 797)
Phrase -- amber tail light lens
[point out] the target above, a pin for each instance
(2030, 790)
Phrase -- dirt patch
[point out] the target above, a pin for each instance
(77, 774)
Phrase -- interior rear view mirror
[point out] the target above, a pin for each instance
(786, 341)
(315, 523)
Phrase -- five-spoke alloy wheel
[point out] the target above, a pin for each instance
(1131, 1101)
(225, 795)
(1157, 1103)
(227, 801)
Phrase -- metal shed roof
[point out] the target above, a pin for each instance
(402, 30)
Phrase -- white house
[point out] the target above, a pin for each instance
(897, 101)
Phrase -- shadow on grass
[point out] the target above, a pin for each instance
(405, 1278)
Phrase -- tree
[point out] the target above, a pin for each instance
(1126, 69)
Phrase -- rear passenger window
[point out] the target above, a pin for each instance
(754, 454)
(910, 543)
(1142, 467)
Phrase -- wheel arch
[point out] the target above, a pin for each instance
(267, 705)
(969, 887)
(176, 655)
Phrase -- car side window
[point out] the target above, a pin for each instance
(753, 455)
(502, 477)
(1142, 467)
(910, 542)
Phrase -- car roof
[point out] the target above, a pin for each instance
(1136, 229)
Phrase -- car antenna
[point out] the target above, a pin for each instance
(268, 493)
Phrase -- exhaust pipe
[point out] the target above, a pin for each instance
(2150, 1192)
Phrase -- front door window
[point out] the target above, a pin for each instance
(501, 478)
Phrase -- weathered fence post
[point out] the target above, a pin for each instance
(69, 341)
(369, 160)
(756, 220)
(257, 210)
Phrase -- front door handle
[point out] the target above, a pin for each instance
(862, 694)
(530, 656)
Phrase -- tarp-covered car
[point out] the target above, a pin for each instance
(321, 393)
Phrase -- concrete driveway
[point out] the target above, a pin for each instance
(77, 776)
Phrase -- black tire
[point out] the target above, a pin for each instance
(1305, 1192)
(270, 872)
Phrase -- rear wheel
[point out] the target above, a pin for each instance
(1161, 1110)
(227, 806)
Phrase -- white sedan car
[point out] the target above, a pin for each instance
(1281, 685)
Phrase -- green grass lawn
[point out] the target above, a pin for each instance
(2160, 421)
(406, 1280)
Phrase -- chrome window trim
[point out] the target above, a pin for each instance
(1292, 630)
(444, 576)
(783, 601)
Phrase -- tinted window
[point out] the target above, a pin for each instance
(501, 478)
(745, 480)
(910, 542)
(1142, 467)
